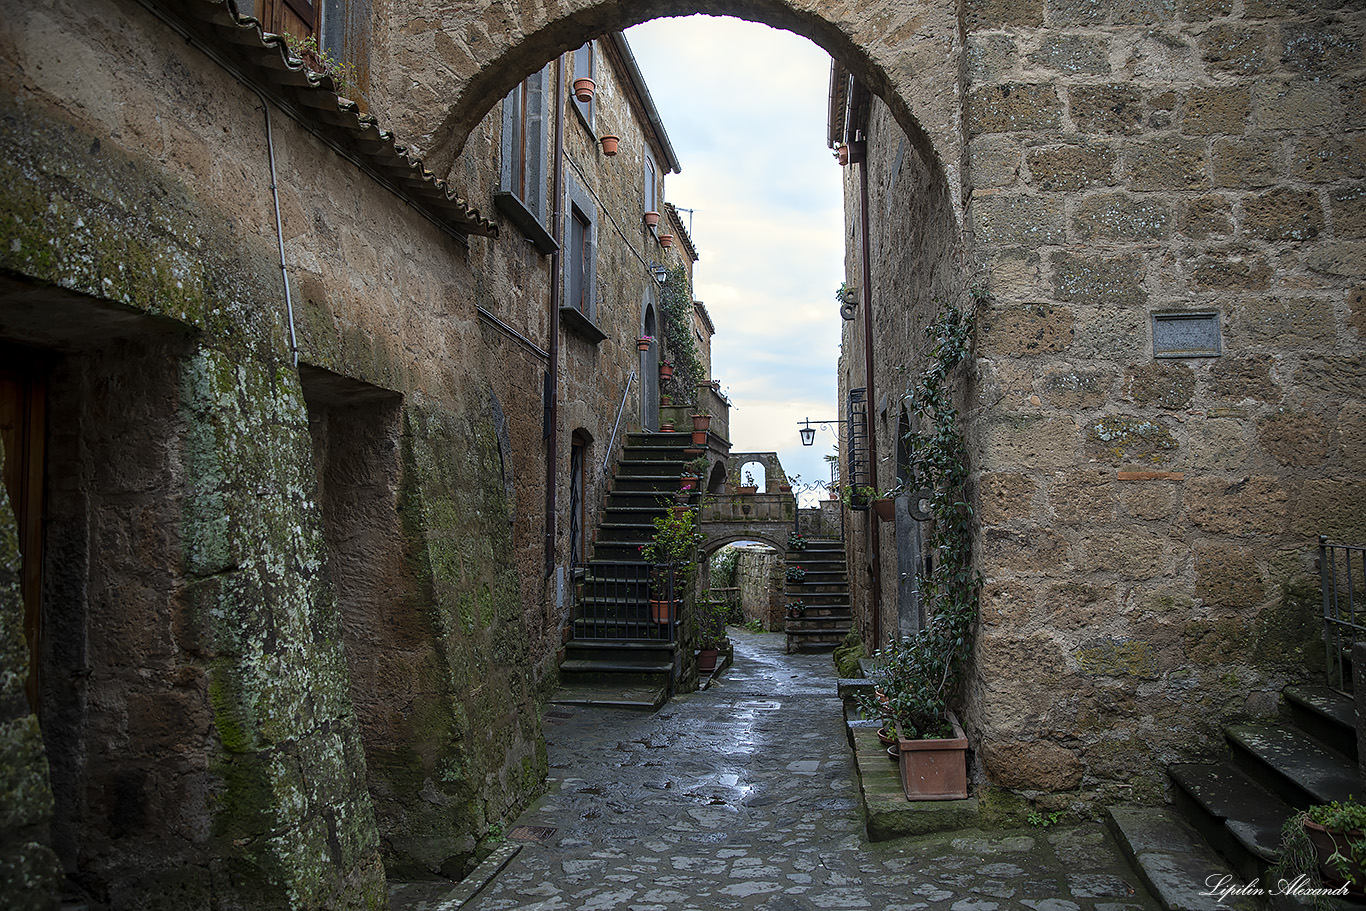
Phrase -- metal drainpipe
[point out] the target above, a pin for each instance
(556, 270)
(280, 231)
(868, 381)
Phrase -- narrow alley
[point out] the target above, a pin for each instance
(744, 796)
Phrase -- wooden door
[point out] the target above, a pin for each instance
(22, 423)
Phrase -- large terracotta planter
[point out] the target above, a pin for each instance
(746, 489)
(935, 769)
(885, 507)
(1325, 842)
(666, 371)
(699, 437)
(701, 421)
(666, 240)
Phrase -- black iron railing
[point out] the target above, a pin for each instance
(1342, 576)
(626, 601)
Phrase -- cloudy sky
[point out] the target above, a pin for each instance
(745, 108)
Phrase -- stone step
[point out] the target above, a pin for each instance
(1324, 714)
(1171, 859)
(1238, 817)
(1296, 768)
(618, 692)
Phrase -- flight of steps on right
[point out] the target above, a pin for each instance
(1237, 804)
(826, 616)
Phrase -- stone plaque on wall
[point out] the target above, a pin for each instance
(1186, 335)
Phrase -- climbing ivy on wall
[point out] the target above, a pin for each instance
(920, 672)
(679, 345)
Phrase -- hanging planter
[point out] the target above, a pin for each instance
(651, 219)
(843, 154)
(583, 89)
(666, 240)
(609, 145)
(885, 507)
(666, 370)
(644, 342)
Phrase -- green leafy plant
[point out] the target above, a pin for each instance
(1298, 860)
(680, 346)
(857, 497)
(754, 626)
(919, 673)
(795, 573)
(710, 619)
(1044, 820)
(795, 541)
(674, 542)
(320, 61)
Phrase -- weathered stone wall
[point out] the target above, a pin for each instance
(759, 576)
(1148, 525)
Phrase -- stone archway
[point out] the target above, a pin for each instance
(907, 53)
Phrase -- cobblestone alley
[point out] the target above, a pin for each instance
(745, 796)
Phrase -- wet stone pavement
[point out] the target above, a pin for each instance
(745, 796)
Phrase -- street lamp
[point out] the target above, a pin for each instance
(808, 433)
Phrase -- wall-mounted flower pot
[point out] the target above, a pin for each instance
(885, 507)
(583, 89)
(651, 219)
(666, 240)
(643, 344)
(746, 490)
(843, 153)
(609, 145)
(666, 371)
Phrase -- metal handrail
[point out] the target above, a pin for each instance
(611, 445)
(1342, 571)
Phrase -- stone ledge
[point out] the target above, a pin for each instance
(886, 811)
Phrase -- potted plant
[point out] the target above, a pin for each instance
(687, 481)
(796, 609)
(583, 89)
(609, 145)
(666, 370)
(651, 219)
(701, 421)
(748, 488)
(796, 541)
(711, 633)
(856, 496)
(842, 154)
(1327, 843)
(673, 552)
(796, 574)
(644, 342)
(666, 399)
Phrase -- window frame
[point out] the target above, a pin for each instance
(525, 140)
(586, 53)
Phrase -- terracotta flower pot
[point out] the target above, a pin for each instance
(935, 769)
(1326, 842)
(666, 428)
(701, 421)
(843, 155)
(747, 489)
(706, 660)
(666, 240)
(699, 437)
(666, 371)
(643, 344)
(661, 612)
(687, 483)
(885, 507)
(609, 145)
(651, 219)
(583, 89)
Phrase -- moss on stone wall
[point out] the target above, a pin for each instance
(29, 870)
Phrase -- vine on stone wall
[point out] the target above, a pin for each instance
(679, 345)
(919, 673)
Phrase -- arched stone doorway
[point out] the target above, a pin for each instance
(904, 52)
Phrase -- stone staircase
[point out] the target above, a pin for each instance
(1236, 804)
(827, 617)
(617, 654)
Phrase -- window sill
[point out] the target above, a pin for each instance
(525, 220)
(581, 325)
